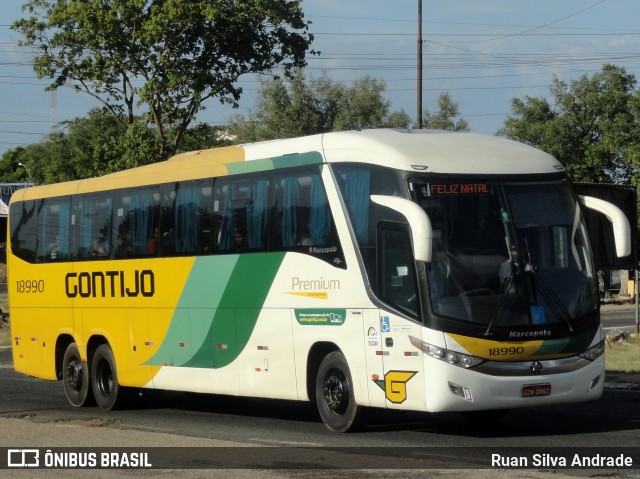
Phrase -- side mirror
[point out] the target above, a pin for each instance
(621, 228)
(419, 224)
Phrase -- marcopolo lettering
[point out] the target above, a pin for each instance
(111, 284)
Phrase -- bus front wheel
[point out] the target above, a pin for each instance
(104, 378)
(75, 377)
(334, 393)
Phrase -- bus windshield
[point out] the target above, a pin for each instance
(507, 254)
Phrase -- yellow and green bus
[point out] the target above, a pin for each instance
(417, 270)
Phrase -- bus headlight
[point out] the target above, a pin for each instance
(594, 352)
(446, 355)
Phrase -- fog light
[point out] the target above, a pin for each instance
(461, 391)
(594, 382)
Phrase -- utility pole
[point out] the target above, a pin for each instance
(419, 85)
(54, 106)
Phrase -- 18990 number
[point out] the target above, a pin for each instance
(506, 351)
(30, 286)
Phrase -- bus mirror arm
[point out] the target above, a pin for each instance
(621, 228)
(419, 223)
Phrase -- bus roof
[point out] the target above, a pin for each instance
(413, 150)
(437, 151)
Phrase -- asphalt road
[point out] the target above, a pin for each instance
(218, 430)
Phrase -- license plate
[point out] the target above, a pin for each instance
(536, 390)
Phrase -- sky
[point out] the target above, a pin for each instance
(483, 53)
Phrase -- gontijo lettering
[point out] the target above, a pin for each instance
(110, 284)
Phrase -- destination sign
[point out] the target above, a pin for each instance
(459, 188)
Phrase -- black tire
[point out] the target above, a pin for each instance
(334, 394)
(75, 377)
(104, 378)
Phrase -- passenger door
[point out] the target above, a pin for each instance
(403, 364)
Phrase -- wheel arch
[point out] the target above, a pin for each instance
(316, 354)
(93, 344)
(62, 343)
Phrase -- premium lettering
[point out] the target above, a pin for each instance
(298, 284)
(110, 284)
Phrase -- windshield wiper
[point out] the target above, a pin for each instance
(551, 298)
(502, 299)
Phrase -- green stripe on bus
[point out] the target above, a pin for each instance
(218, 309)
(267, 164)
(573, 344)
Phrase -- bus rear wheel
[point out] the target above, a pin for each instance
(334, 393)
(104, 378)
(75, 377)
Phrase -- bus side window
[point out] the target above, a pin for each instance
(91, 226)
(167, 220)
(53, 232)
(192, 218)
(24, 238)
(286, 228)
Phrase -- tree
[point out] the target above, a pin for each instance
(592, 127)
(363, 106)
(83, 148)
(298, 107)
(203, 136)
(10, 169)
(445, 117)
(283, 110)
(169, 56)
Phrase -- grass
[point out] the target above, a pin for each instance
(623, 355)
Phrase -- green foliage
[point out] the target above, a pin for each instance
(445, 117)
(82, 148)
(297, 107)
(10, 169)
(363, 106)
(96, 145)
(168, 56)
(204, 136)
(592, 127)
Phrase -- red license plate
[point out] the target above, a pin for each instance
(536, 390)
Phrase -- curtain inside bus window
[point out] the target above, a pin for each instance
(227, 226)
(45, 229)
(187, 221)
(289, 211)
(319, 224)
(63, 230)
(357, 197)
(257, 213)
(141, 207)
(88, 213)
